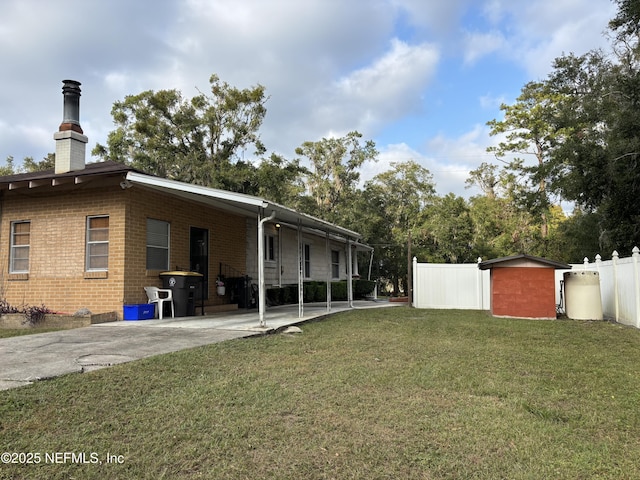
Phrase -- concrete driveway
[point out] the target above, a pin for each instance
(29, 358)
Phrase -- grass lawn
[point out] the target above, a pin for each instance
(370, 394)
(16, 332)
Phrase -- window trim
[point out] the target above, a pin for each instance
(158, 247)
(306, 262)
(89, 243)
(14, 247)
(335, 266)
(269, 248)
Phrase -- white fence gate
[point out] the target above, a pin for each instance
(465, 286)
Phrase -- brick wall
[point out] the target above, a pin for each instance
(227, 240)
(57, 276)
(523, 292)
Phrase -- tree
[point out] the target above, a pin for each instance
(280, 180)
(394, 203)
(48, 162)
(503, 223)
(333, 177)
(449, 226)
(194, 140)
(530, 131)
(597, 165)
(485, 178)
(28, 165)
(9, 168)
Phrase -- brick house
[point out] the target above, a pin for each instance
(93, 235)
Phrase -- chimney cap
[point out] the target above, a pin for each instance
(71, 113)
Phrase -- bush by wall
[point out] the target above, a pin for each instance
(317, 292)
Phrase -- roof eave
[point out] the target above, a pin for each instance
(543, 261)
(248, 204)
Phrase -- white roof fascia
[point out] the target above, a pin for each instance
(214, 193)
(247, 203)
(286, 214)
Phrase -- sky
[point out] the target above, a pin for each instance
(421, 78)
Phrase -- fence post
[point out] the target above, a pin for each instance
(614, 261)
(480, 287)
(636, 256)
(585, 263)
(416, 285)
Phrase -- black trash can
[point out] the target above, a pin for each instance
(185, 287)
(241, 292)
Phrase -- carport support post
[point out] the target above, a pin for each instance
(329, 266)
(261, 287)
(349, 274)
(301, 260)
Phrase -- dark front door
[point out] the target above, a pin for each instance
(199, 255)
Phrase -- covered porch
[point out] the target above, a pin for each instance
(264, 212)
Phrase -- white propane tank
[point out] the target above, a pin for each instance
(582, 295)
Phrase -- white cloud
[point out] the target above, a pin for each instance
(478, 45)
(387, 89)
(491, 102)
(448, 159)
(536, 32)
(329, 66)
(440, 17)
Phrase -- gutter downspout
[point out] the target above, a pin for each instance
(261, 284)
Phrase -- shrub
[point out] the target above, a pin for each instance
(5, 308)
(310, 289)
(361, 288)
(339, 290)
(321, 292)
(34, 315)
(274, 296)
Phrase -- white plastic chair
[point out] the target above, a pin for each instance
(159, 296)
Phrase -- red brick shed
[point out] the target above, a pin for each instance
(523, 286)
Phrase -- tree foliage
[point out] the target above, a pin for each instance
(529, 131)
(334, 174)
(396, 202)
(583, 124)
(598, 163)
(195, 140)
(449, 229)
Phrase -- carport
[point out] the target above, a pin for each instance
(265, 211)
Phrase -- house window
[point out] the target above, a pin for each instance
(97, 243)
(269, 248)
(335, 264)
(20, 241)
(157, 245)
(307, 261)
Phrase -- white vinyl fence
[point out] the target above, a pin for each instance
(461, 285)
(465, 286)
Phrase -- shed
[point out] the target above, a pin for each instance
(523, 286)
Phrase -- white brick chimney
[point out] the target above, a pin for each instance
(70, 141)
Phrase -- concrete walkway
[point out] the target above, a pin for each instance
(29, 358)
